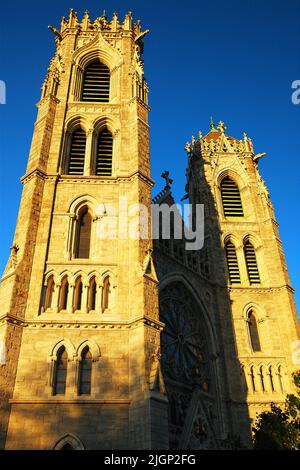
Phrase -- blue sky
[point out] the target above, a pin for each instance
(233, 59)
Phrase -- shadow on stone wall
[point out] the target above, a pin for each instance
(205, 384)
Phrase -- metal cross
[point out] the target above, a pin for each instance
(165, 175)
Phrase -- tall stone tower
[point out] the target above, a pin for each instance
(230, 336)
(108, 342)
(79, 309)
(253, 299)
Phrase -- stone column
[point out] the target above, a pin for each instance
(242, 265)
(70, 298)
(55, 298)
(99, 298)
(84, 299)
(88, 153)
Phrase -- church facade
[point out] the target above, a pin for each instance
(124, 342)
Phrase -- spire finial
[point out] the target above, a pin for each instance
(222, 128)
(212, 124)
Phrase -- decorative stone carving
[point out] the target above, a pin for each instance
(184, 351)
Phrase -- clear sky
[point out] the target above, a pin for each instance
(233, 59)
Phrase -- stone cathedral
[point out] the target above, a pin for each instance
(127, 342)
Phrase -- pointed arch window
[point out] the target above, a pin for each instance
(85, 372)
(78, 294)
(271, 378)
(96, 82)
(83, 234)
(252, 377)
(105, 294)
(60, 372)
(251, 263)
(231, 198)
(232, 263)
(49, 292)
(63, 295)
(280, 379)
(262, 378)
(92, 294)
(77, 153)
(104, 153)
(253, 332)
(244, 380)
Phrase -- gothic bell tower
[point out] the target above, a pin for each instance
(253, 298)
(78, 304)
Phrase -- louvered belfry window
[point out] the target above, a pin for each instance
(232, 264)
(96, 80)
(77, 153)
(104, 153)
(251, 263)
(231, 198)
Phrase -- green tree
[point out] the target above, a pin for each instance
(279, 428)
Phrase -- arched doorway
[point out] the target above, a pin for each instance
(68, 442)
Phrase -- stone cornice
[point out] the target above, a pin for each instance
(75, 262)
(260, 357)
(50, 97)
(58, 323)
(108, 180)
(273, 221)
(76, 401)
(38, 172)
(139, 101)
(92, 107)
(261, 290)
(13, 319)
(258, 402)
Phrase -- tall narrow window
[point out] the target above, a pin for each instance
(251, 263)
(49, 292)
(63, 295)
(253, 333)
(271, 379)
(280, 379)
(92, 294)
(232, 264)
(105, 294)
(77, 153)
(60, 372)
(244, 380)
(104, 153)
(252, 377)
(83, 235)
(231, 198)
(85, 372)
(96, 80)
(262, 379)
(78, 294)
